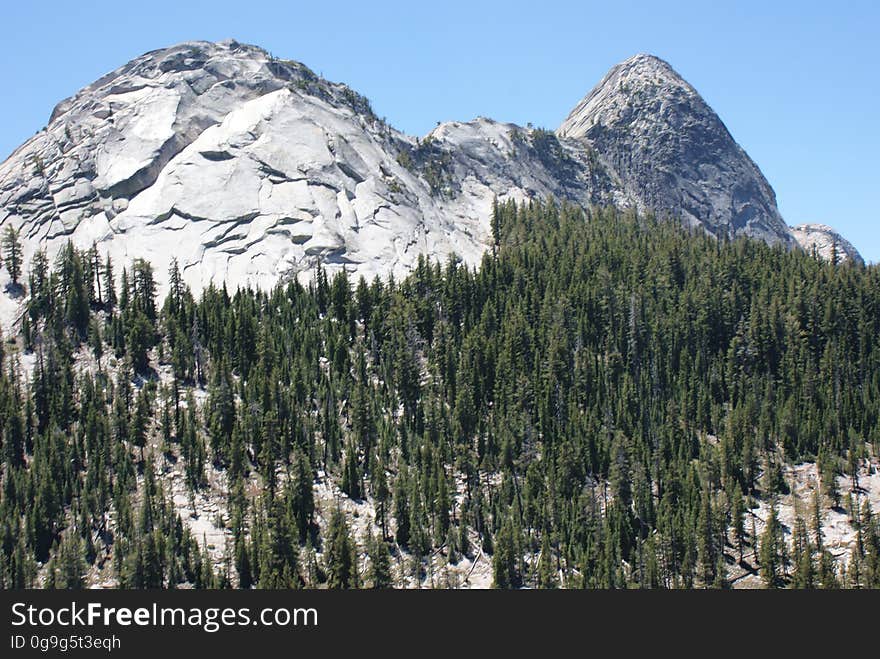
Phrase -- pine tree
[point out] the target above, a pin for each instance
(139, 340)
(140, 420)
(381, 494)
(504, 560)
(379, 571)
(546, 571)
(706, 554)
(401, 512)
(738, 520)
(279, 551)
(351, 477)
(828, 471)
(12, 253)
(341, 558)
(302, 494)
(773, 552)
(69, 570)
(495, 223)
(109, 285)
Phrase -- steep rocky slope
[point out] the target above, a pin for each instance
(249, 169)
(673, 152)
(826, 241)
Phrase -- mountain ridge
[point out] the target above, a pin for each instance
(251, 169)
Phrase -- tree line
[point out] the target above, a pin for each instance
(606, 402)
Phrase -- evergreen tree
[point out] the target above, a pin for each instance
(379, 571)
(12, 253)
(594, 419)
(109, 285)
(69, 573)
(773, 555)
(341, 553)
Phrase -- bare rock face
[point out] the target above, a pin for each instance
(827, 243)
(243, 167)
(673, 153)
(249, 170)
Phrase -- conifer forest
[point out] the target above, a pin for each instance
(608, 401)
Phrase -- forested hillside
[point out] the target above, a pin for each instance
(607, 402)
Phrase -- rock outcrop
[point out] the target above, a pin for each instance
(249, 170)
(673, 153)
(827, 243)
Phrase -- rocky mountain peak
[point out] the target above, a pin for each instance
(228, 58)
(183, 150)
(249, 170)
(632, 93)
(673, 152)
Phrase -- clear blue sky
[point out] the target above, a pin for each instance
(797, 83)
